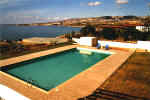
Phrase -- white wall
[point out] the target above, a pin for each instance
(139, 44)
(9, 94)
(84, 41)
(143, 45)
(117, 44)
(142, 28)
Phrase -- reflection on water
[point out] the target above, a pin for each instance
(86, 58)
(85, 52)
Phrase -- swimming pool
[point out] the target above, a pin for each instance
(48, 72)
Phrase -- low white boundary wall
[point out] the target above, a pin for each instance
(89, 41)
(138, 45)
(117, 44)
(143, 45)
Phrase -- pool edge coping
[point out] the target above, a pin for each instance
(14, 60)
(67, 81)
(77, 75)
(91, 68)
(45, 91)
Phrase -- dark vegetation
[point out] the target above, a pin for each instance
(125, 33)
(88, 30)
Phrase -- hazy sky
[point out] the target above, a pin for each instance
(29, 11)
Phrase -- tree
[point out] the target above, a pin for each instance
(132, 34)
(73, 33)
(148, 38)
(88, 30)
(147, 23)
(109, 33)
(121, 32)
(68, 36)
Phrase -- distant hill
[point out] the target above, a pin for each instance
(92, 20)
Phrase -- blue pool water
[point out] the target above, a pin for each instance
(49, 71)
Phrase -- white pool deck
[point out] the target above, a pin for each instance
(9, 94)
(79, 86)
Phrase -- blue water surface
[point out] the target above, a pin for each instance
(12, 32)
(49, 71)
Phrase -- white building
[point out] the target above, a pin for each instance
(142, 28)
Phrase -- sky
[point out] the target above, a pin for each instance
(35, 11)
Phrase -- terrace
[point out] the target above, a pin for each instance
(100, 75)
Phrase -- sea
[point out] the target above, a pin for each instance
(13, 32)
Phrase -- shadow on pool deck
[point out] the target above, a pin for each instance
(101, 94)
